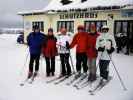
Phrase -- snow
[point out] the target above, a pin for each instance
(13, 71)
(130, 7)
(56, 5)
(76, 4)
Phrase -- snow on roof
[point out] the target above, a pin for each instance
(128, 7)
(30, 12)
(55, 5)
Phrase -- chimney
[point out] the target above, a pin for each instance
(65, 2)
(83, 0)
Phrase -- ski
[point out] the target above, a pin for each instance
(33, 78)
(64, 78)
(92, 92)
(80, 80)
(83, 85)
(56, 78)
(74, 79)
(24, 82)
(61, 80)
(99, 87)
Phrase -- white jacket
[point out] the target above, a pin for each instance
(105, 40)
(61, 43)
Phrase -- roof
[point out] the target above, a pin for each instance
(130, 7)
(56, 5)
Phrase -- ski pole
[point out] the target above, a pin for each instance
(99, 61)
(70, 56)
(71, 62)
(41, 57)
(121, 81)
(24, 62)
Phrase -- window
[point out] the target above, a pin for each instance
(40, 24)
(121, 27)
(127, 13)
(123, 30)
(98, 24)
(69, 25)
(125, 27)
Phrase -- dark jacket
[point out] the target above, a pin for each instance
(50, 50)
(34, 41)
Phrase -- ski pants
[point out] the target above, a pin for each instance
(81, 61)
(92, 66)
(34, 58)
(66, 68)
(104, 68)
(50, 65)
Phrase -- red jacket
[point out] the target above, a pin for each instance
(80, 39)
(91, 51)
(49, 49)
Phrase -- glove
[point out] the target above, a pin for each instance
(110, 50)
(101, 49)
(67, 45)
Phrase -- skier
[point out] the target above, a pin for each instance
(118, 42)
(105, 45)
(92, 52)
(80, 41)
(62, 41)
(34, 41)
(49, 52)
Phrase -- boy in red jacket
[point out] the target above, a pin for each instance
(50, 51)
(80, 41)
(92, 52)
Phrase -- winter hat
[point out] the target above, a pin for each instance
(50, 30)
(81, 27)
(105, 27)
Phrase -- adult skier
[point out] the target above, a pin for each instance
(35, 40)
(80, 40)
(63, 40)
(49, 52)
(92, 52)
(105, 45)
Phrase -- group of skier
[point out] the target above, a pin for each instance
(88, 46)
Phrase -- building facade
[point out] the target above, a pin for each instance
(119, 20)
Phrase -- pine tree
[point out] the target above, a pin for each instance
(65, 2)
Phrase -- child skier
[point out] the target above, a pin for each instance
(34, 41)
(105, 45)
(92, 52)
(49, 52)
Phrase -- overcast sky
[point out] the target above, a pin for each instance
(9, 9)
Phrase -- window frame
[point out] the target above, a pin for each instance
(40, 23)
(95, 22)
(64, 24)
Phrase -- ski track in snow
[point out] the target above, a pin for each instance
(13, 72)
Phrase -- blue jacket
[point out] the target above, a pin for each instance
(35, 41)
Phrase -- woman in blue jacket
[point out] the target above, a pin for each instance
(35, 40)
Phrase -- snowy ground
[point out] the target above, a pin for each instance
(13, 71)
